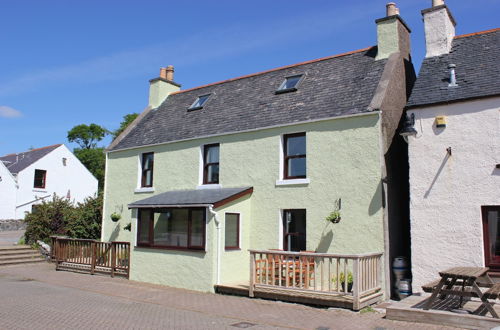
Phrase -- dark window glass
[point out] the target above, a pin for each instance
(491, 231)
(294, 156)
(147, 169)
(232, 231)
(199, 102)
(172, 228)
(40, 179)
(294, 230)
(143, 226)
(211, 164)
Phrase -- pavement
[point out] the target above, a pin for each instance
(10, 237)
(38, 296)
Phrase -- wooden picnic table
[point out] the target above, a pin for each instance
(463, 282)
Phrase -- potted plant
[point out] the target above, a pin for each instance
(128, 227)
(115, 217)
(334, 217)
(342, 281)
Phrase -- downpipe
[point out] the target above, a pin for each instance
(218, 257)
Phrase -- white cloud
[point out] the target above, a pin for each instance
(9, 112)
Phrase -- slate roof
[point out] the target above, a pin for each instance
(333, 86)
(216, 197)
(477, 60)
(18, 162)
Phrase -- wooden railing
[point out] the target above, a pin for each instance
(356, 276)
(91, 255)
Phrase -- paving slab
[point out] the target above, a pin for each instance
(37, 296)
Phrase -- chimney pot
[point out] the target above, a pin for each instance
(167, 73)
(392, 9)
(436, 3)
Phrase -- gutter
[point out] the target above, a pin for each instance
(219, 238)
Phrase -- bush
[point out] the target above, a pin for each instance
(61, 217)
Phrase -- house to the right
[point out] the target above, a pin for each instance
(453, 133)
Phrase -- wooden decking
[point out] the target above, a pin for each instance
(411, 310)
(300, 296)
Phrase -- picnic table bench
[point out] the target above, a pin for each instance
(463, 282)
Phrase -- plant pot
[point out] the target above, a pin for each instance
(349, 287)
(115, 217)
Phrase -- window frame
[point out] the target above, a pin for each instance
(494, 265)
(151, 244)
(193, 107)
(143, 171)
(238, 220)
(206, 164)
(286, 157)
(44, 179)
(281, 89)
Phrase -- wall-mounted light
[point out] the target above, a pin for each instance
(408, 129)
(440, 121)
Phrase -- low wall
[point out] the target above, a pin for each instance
(12, 224)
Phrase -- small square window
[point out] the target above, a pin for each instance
(290, 84)
(199, 103)
(40, 179)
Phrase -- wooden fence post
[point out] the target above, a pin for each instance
(113, 258)
(252, 275)
(356, 284)
(92, 262)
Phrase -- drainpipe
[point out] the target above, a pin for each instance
(218, 258)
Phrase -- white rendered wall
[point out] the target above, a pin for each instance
(7, 194)
(60, 179)
(447, 192)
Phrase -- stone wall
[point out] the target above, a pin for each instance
(12, 224)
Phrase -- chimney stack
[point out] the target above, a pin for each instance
(160, 88)
(393, 35)
(439, 26)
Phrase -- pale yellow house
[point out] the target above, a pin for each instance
(224, 185)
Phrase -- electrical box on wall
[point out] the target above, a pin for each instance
(440, 121)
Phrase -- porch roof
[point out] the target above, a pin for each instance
(189, 198)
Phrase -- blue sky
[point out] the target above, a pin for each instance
(65, 63)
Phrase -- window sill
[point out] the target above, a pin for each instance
(169, 248)
(293, 182)
(145, 190)
(232, 249)
(40, 190)
(209, 186)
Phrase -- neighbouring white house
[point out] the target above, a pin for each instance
(453, 133)
(28, 178)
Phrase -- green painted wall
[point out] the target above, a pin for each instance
(343, 161)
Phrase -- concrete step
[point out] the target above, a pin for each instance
(17, 262)
(15, 248)
(21, 257)
(17, 252)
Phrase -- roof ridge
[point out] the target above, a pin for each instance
(275, 69)
(23, 152)
(477, 33)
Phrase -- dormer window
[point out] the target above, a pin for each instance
(290, 84)
(199, 102)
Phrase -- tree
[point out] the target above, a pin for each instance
(127, 120)
(94, 160)
(87, 136)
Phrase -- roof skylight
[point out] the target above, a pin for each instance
(199, 102)
(289, 84)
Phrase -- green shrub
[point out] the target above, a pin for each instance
(61, 217)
